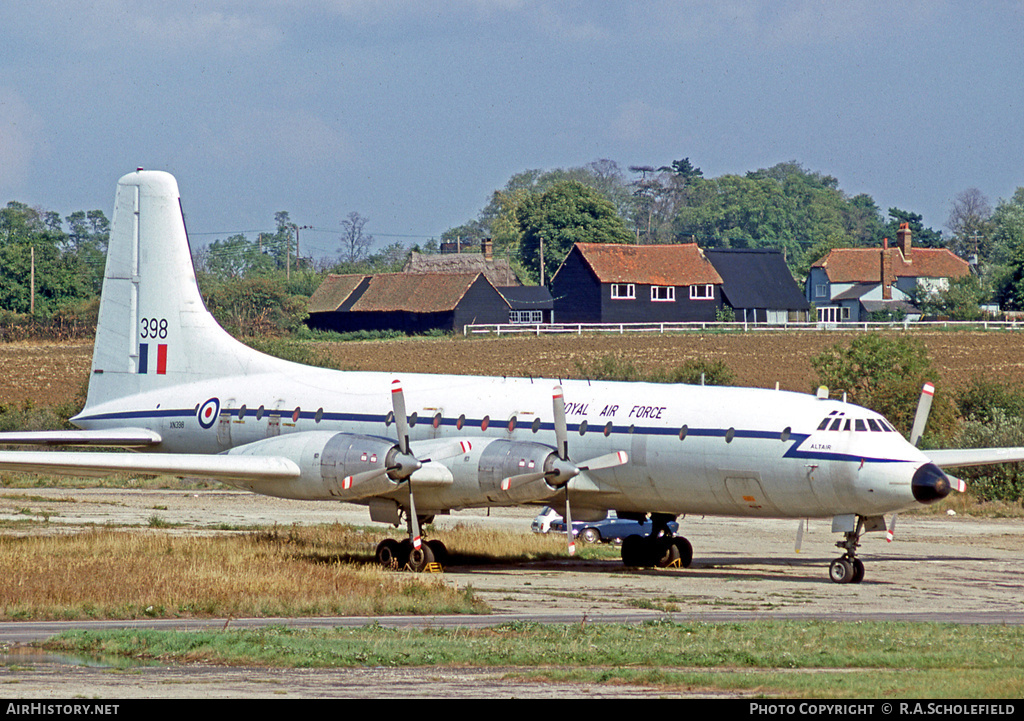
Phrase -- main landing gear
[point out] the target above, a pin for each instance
(399, 554)
(661, 548)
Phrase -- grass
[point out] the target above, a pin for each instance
(307, 571)
(815, 659)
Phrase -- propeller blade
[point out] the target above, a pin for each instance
(609, 460)
(892, 529)
(957, 484)
(450, 450)
(348, 481)
(414, 521)
(401, 420)
(924, 407)
(568, 524)
(561, 430)
(800, 535)
(507, 483)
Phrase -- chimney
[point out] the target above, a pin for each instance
(884, 271)
(487, 249)
(903, 234)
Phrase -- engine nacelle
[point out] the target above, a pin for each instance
(345, 466)
(478, 475)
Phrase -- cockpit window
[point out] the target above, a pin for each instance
(873, 425)
(824, 424)
(836, 424)
(859, 425)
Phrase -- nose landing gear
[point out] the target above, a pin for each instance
(848, 568)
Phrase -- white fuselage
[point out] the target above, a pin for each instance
(692, 449)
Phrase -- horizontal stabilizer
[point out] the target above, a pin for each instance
(954, 457)
(90, 463)
(121, 437)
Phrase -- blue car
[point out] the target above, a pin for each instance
(608, 530)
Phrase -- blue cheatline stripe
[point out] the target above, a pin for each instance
(793, 443)
(143, 357)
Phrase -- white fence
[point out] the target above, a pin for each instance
(622, 328)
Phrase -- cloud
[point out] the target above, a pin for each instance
(639, 121)
(20, 139)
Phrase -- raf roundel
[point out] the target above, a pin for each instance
(208, 412)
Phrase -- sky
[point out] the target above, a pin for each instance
(412, 113)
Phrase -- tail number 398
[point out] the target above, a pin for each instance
(154, 327)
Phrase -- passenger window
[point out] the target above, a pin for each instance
(461, 422)
(608, 429)
(485, 422)
(536, 425)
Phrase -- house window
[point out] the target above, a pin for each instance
(821, 291)
(526, 316)
(702, 292)
(623, 291)
(663, 293)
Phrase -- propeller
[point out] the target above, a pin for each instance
(404, 463)
(562, 469)
(924, 407)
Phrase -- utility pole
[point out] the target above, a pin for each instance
(542, 260)
(32, 285)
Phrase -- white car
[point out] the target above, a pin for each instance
(542, 523)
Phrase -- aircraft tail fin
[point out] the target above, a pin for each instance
(154, 330)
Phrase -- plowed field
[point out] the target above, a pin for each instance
(47, 373)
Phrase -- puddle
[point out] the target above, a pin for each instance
(29, 655)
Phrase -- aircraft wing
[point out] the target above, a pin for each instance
(94, 463)
(953, 457)
(125, 437)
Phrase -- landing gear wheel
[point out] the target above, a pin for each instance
(633, 551)
(858, 571)
(388, 553)
(841, 570)
(666, 552)
(420, 558)
(685, 551)
(439, 550)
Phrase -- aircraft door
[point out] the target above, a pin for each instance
(224, 424)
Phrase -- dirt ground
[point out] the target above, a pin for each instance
(939, 568)
(48, 373)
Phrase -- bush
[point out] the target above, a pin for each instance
(1003, 482)
(886, 375)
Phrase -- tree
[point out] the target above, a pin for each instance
(355, 243)
(569, 212)
(969, 222)
(885, 375)
(1007, 251)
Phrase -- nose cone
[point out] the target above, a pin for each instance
(930, 484)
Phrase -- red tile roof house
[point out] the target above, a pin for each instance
(849, 284)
